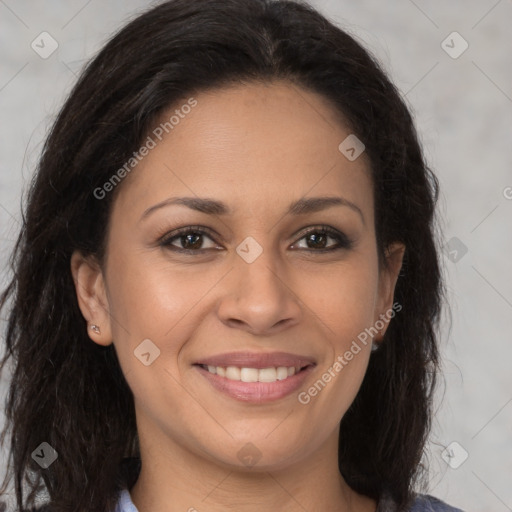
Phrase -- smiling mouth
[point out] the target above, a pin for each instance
(245, 374)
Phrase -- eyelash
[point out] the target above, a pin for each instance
(343, 242)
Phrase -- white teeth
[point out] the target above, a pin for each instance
(233, 373)
(249, 375)
(282, 373)
(267, 375)
(254, 374)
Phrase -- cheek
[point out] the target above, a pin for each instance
(150, 295)
(348, 312)
(344, 299)
(345, 305)
(150, 300)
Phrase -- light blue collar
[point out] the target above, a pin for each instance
(125, 503)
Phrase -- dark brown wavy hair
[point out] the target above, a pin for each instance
(70, 392)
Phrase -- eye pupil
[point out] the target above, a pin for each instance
(188, 238)
(315, 237)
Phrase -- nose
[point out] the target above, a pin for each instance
(259, 297)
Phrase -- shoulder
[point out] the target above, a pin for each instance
(420, 503)
(428, 503)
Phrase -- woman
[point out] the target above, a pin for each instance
(226, 289)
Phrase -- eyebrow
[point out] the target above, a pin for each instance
(213, 207)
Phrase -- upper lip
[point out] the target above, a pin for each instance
(257, 360)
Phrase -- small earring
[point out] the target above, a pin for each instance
(95, 328)
(375, 346)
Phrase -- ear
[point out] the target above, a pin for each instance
(92, 297)
(388, 277)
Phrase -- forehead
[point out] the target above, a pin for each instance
(256, 141)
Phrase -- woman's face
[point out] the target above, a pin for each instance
(246, 278)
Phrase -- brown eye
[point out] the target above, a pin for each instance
(189, 239)
(317, 239)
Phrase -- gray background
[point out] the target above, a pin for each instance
(463, 111)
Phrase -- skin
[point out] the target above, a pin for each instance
(257, 148)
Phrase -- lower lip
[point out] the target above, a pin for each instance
(256, 392)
